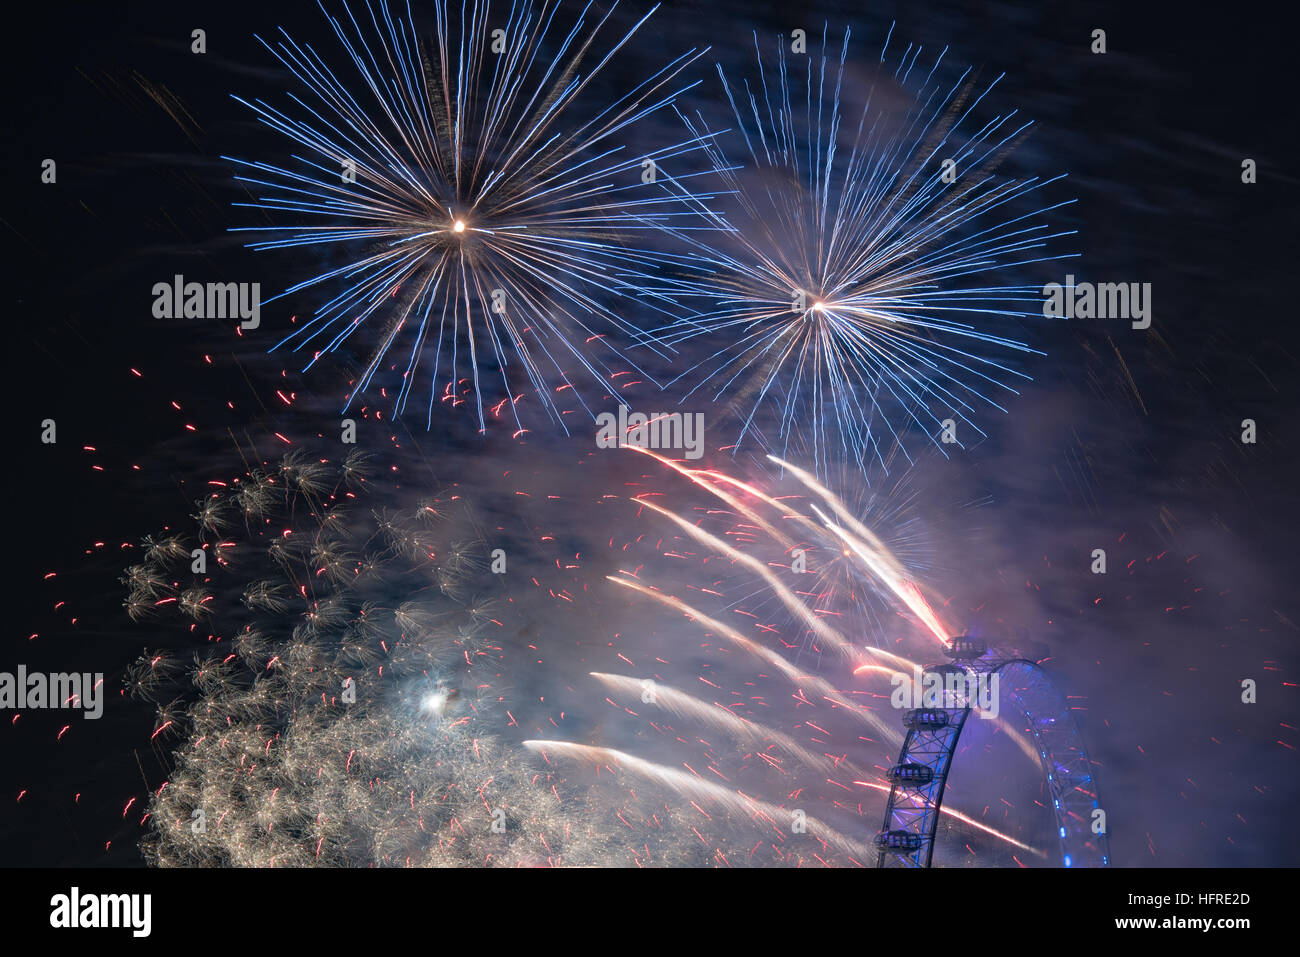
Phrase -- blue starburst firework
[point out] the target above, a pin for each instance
(478, 202)
(863, 288)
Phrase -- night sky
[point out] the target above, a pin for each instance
(1127, 440)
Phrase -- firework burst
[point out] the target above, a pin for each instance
(346, 708)
(858, 290)
(327, 724)
(480, 201)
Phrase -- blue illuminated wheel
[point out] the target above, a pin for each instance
(919, 776)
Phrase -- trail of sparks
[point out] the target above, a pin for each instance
(693, 787)
(749, 732)
(947, 811)
(773, 658)
(873, 553)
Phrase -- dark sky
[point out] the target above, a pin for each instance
(1126, 440)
